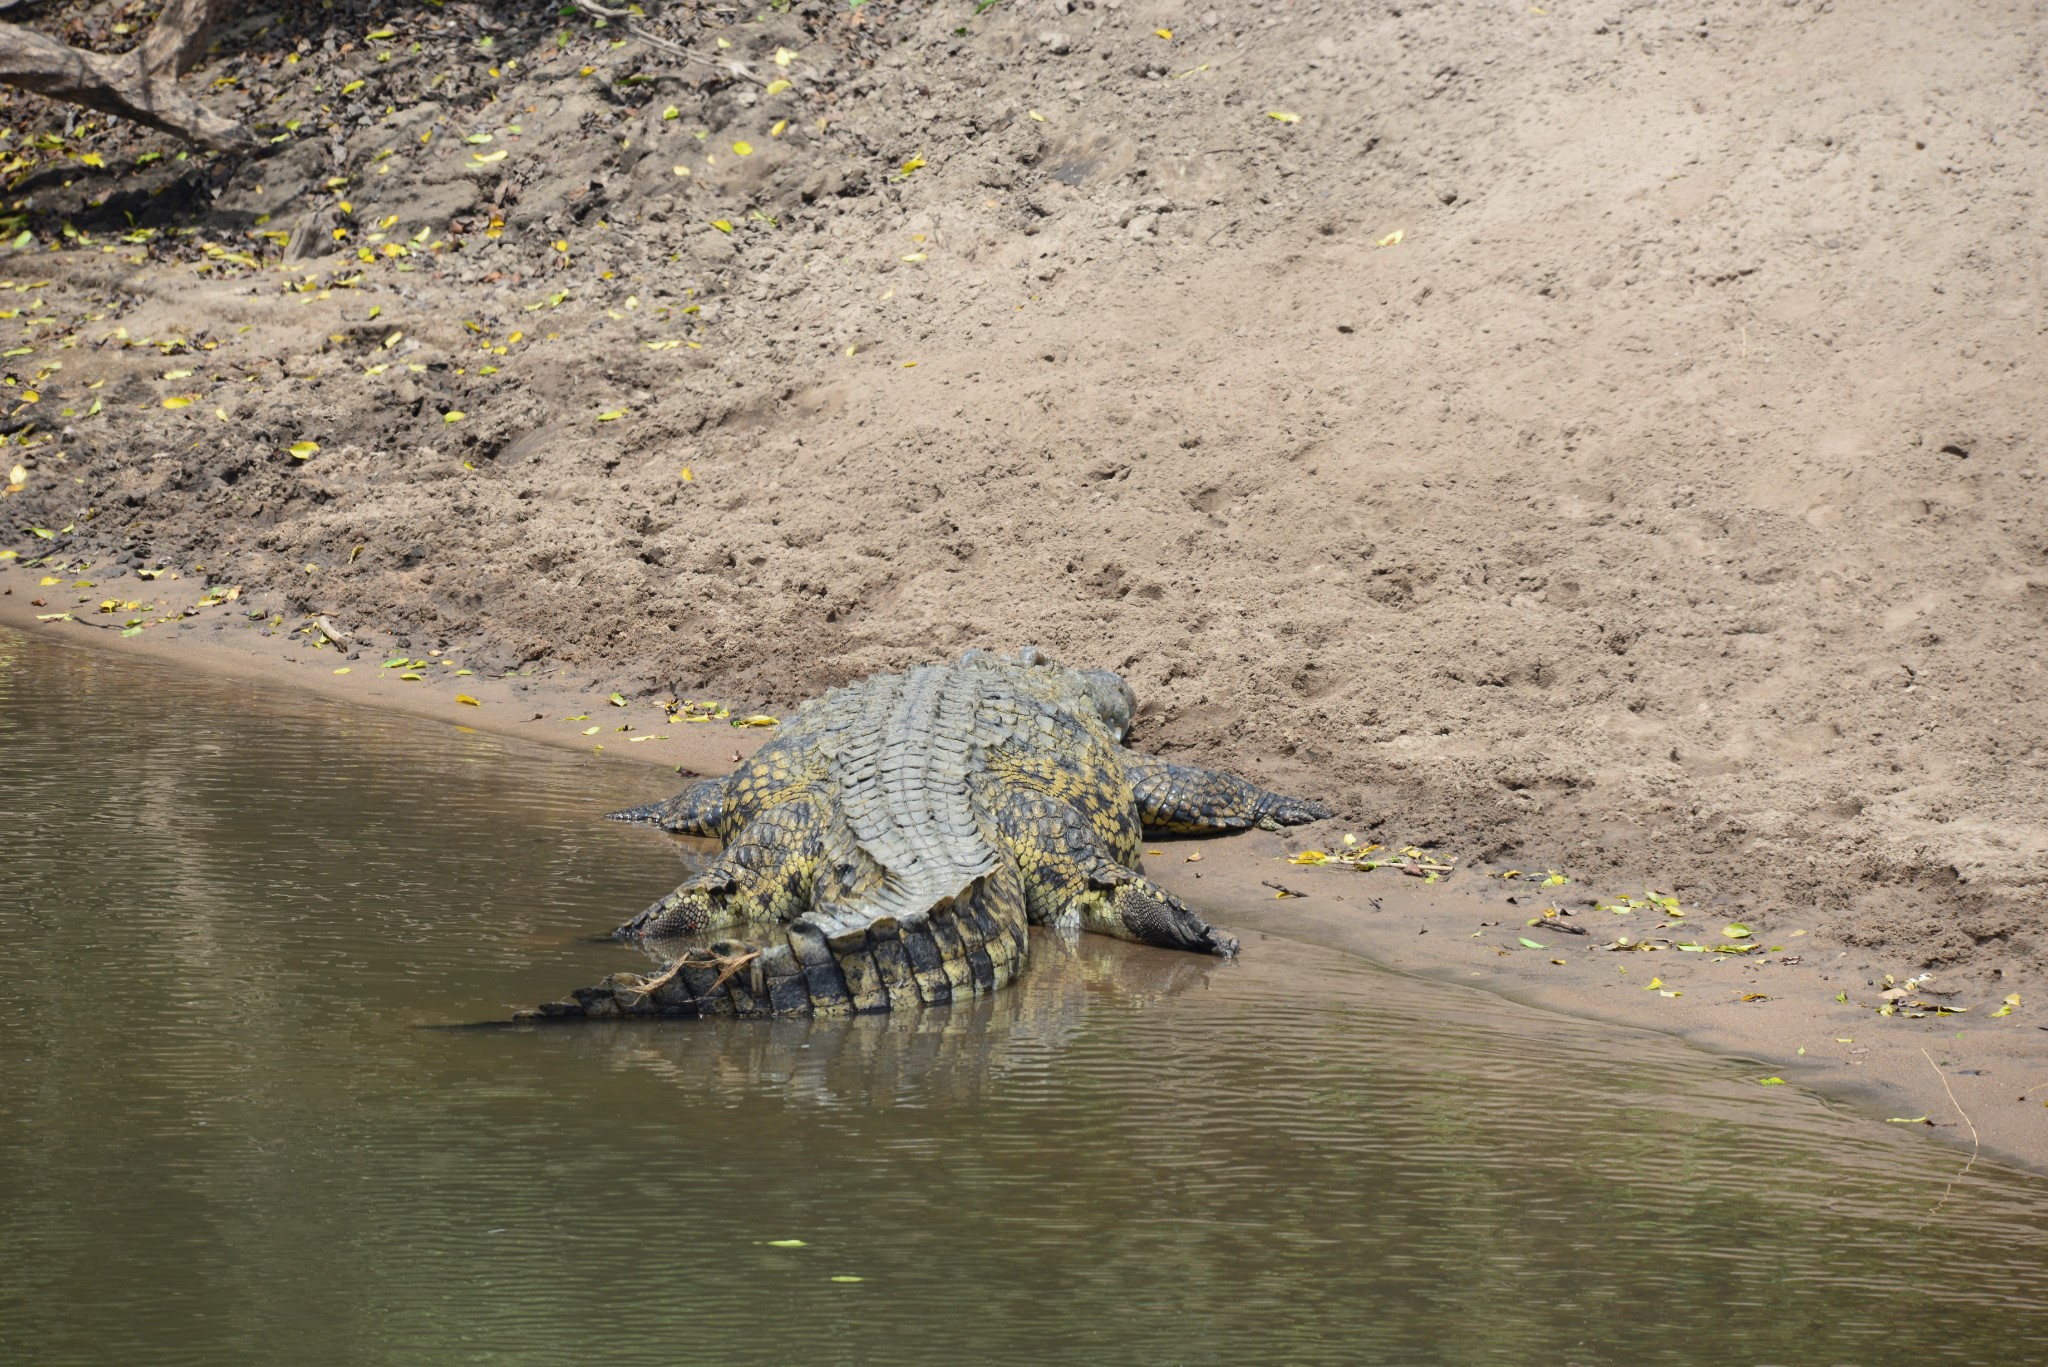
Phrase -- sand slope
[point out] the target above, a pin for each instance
(1665, 505)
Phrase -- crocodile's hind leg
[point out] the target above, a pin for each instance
(697, 810)
(765, 873)
(1185, 798)
(1072, 879)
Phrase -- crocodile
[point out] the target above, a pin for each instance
(891, 845)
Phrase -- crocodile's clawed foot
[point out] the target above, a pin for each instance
(1155, 916)
(670, 916)
(1293, 811)
(693, 908)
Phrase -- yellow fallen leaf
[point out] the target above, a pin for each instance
(592, 730)
(776, 131)
(1283, 116)
(914, 257)
(342, 670)
(776, 87)
(914, 164)
(743, 149)
(680, 170)
(687, 476)
(176, 374)
(721, 225)
(453, 415)
(488, 157)
(303, 449)
(757, 720)
(467, 701)
(612, 416)
(95, 159)
(178, 401)
(783, 56)
(18, 475)
(1034, 116)
(1165, 33)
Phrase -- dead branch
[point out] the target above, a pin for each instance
(141, 84)
(727, 67)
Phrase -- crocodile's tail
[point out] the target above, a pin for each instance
(969, 943)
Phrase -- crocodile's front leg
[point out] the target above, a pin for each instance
(1183, 798)
(764, 874)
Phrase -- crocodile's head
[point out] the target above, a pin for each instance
(1112, 698)
(1103, 689)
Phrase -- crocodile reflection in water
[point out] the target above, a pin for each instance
(961, 1051)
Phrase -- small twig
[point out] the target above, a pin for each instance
(727, 967)
(620, 16)
(1976, 1144)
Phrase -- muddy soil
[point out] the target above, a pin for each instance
(1592, 437)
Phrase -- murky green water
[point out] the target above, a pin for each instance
(225, 1136)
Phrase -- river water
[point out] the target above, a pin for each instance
(236, 925)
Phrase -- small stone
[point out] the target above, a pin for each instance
(1055, 42)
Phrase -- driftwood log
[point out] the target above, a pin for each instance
(141, 84)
